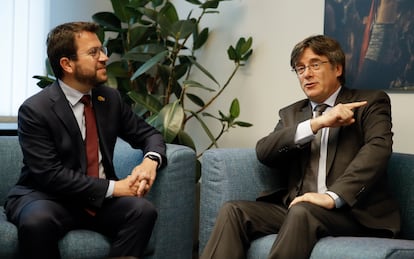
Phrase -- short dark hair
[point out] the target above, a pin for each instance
(324, 46)
(61, 42)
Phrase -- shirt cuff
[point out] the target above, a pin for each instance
(155, 154)
(304, 133)
(110, 190)
(339, 202)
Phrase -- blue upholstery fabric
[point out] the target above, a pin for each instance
(236, 174)
(173, 194)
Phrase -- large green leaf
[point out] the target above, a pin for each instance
(171, 118)
(185, 139)
(182, 29)
(137, 34)
(149, 48)
(108, 20)
(149, 64)
(117, 69)
(169, 12)
(149, 13)
(119, 9)
(148, 101)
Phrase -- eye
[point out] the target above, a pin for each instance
(300, 69)
(93, 51)
(315, 65)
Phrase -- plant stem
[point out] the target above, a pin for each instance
(218, 93)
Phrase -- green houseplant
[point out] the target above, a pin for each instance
(153, 53)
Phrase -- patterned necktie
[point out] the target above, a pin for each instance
(91, 139)
(311, 174)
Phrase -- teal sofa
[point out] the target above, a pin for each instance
(173, 194)
(236, 174)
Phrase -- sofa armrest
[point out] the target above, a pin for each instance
(230, 174)
(173, 193)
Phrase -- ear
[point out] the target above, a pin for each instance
(339, 70)
(67, 65)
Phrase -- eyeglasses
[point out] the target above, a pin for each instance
(95, 52)
(314, 66)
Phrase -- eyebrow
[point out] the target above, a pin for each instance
(310, 61)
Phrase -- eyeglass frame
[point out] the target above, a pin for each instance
(94, 52)
(314, 66)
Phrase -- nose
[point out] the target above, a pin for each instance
(103, 56)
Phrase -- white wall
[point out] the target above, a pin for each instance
(266, 84)
(62, 11)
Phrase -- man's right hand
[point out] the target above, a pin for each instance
(125, 187)
(339, 115)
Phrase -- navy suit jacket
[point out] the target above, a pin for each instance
(54, 156)
(357, 158)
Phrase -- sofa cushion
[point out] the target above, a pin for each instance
(362, 247)
(12, 161)
(8, 237)
(345, 248)
(259, 248)
(401, 179)
(72, 246)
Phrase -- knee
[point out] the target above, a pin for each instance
(144, 211)
(299, 211)
(36, 222)
(230, 209)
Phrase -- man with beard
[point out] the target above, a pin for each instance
(57, 190)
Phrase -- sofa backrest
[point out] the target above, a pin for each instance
(11, 161)
(401, 180)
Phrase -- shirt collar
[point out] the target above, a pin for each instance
(330, 101)
(71, 94)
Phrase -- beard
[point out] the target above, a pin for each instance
(90, 78)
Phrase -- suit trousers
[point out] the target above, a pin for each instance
(298, 228)
(128, 221)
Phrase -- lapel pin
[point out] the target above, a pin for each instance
(101, 98)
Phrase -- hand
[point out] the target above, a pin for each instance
(339, 115)
(320, 199)
(143, 176)
(139, 182)
(125, 187)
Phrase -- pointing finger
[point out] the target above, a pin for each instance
(355, 104)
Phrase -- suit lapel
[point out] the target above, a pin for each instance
(64, 112)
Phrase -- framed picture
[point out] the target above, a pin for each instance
(377, 37)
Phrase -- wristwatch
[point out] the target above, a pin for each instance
(153, 158)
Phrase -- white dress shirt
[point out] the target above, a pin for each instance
(305, 134)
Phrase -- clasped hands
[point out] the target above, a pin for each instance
(339, 115)
(139, 182)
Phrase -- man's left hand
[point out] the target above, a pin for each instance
(143, 176)
(320, 199)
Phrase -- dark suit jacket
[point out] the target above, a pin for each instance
(356, 162)
(53, 148)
